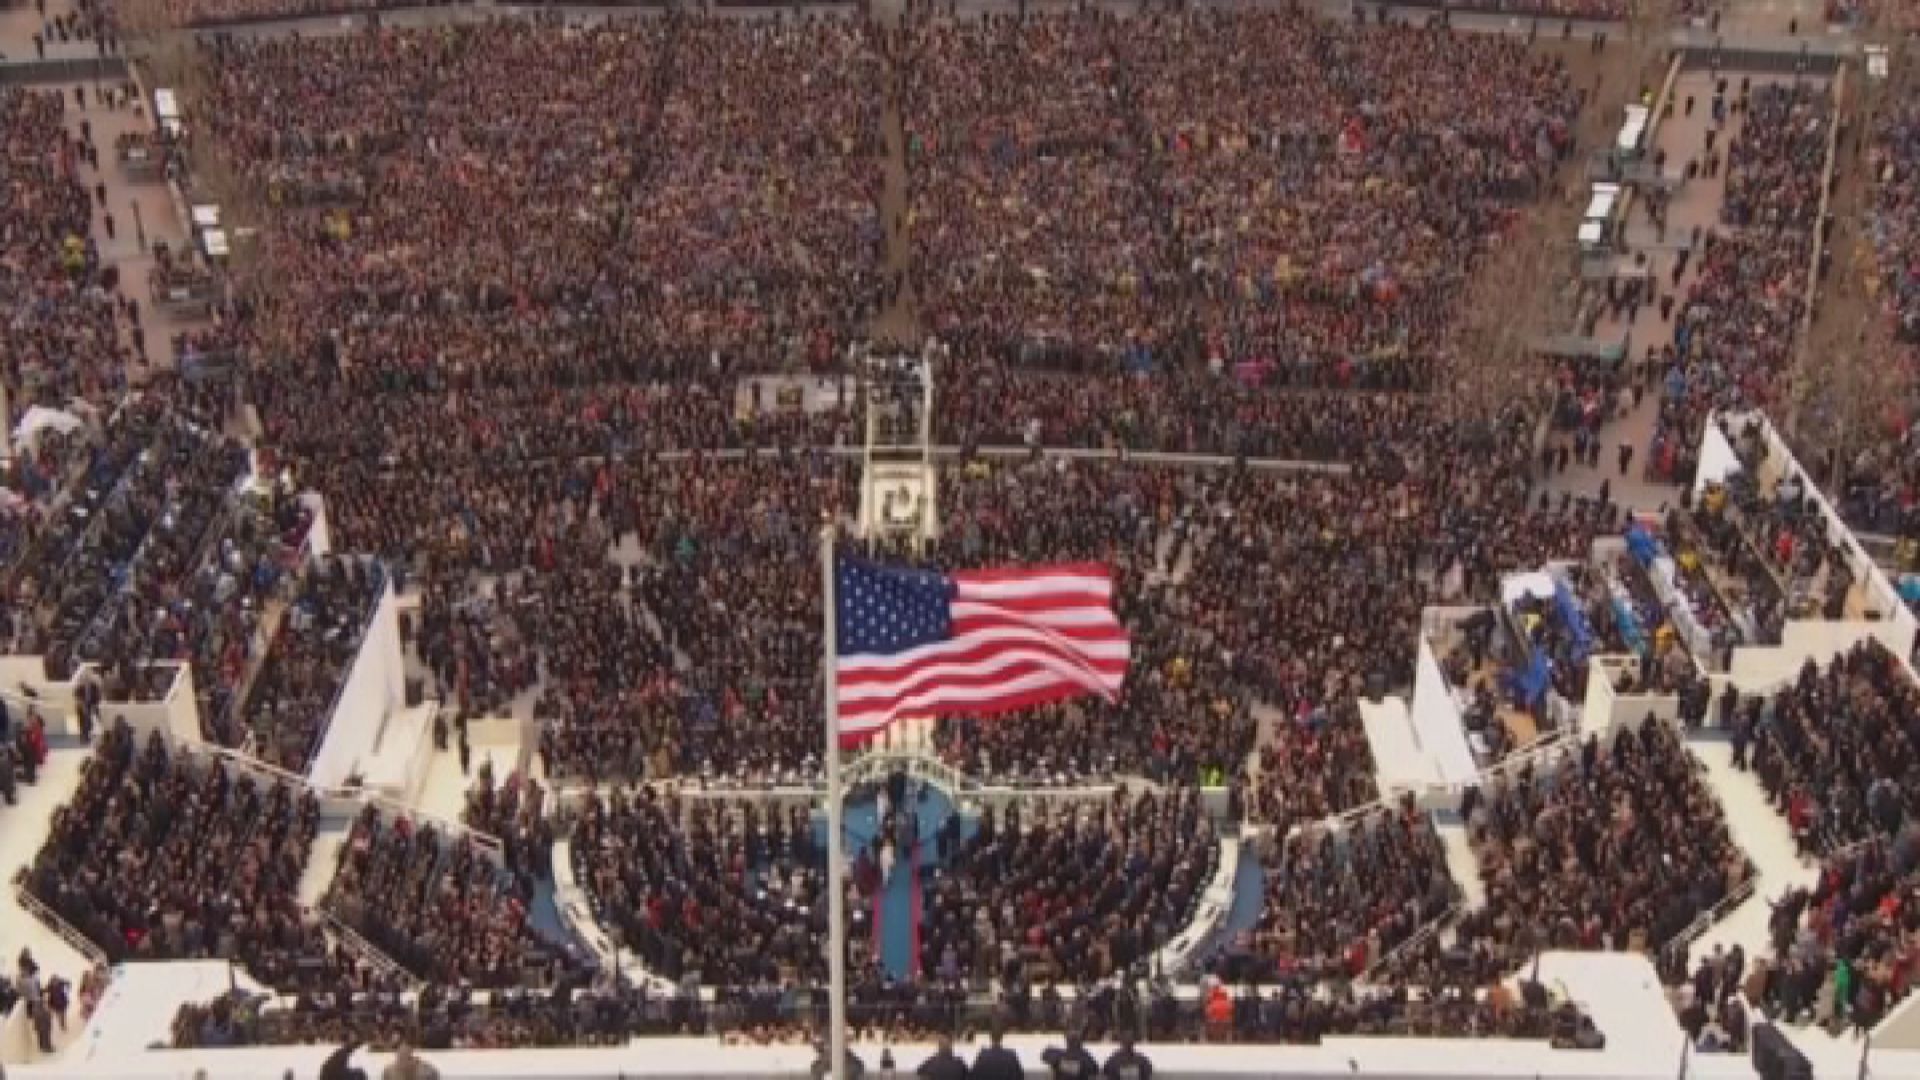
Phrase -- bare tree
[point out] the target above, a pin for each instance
(1851, 376)
(1527, 287)
(1516, 299)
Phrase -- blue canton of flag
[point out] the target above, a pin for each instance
(883, 610)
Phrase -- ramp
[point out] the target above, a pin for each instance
(321, 863)
(1462, 865)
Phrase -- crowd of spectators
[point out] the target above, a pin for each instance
(515, 812)
(172, 488)
(1881, 488)
(717, 200)
(1341, 899)
(213, 14)
(707, 619)
(1075, 892)
(1836, 751)
(1734, 336)
(62, 335)
(292, 698)
(1119, 201)
(441, 907)
(474, 302)
(173, 581)
(1847, 949)
(603, 1014)
(728, 894)
(162, 856)
(84, 553)
(1619, 845)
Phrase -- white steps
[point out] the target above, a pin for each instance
(1463, 866)
(321, 863)
(1759, 831)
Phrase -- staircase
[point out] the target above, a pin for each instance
(1462, 865)
(236, 708)
(321, 863)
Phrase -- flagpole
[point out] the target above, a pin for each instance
(836, 854)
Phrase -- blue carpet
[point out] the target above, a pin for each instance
(1249, 894)
(862, 818)
(544, 915)
(899, 919)
(899, 907)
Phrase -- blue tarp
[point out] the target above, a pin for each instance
(1530, 685)
(1629, 625)
(1575, 620)
(1642, 544)
(1910, 588)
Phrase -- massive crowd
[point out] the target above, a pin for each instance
(1880, 494)
(319, 634)
(1618, 846)
(440, 906)
(730, 894)
(1734, 337)
(511, 265)
(1836, 751)
(1341, 900)
(60, 310)
(162, 856)
(1073, 893)
(1119, 203)
(1846, 950)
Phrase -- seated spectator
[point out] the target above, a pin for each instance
(1621, 847)
(1837, 754)
(293, 697)
(1070, 892)
(735, 895)
(440, 907)
(163, 857)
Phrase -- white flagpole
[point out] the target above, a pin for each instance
(836, 854)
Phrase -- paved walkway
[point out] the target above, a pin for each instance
(1696, 204)
(142, 215)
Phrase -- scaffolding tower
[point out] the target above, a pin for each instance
(898, 496)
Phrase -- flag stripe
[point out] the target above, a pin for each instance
(950, 699)
(1016, 637)
(982, 673)
(1088, 637)
(854, 668)
(1043, 616)
(855, 735)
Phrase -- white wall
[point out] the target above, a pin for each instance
(375, 686)
(1901, 1029)
(1717, 460)
(53, 700)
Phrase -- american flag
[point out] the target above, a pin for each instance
(919, 643)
